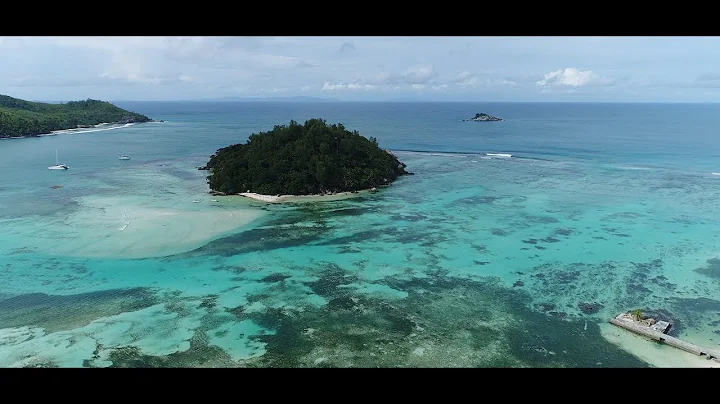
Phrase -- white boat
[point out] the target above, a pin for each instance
(125, 223)
(124, 156)
(57, 165)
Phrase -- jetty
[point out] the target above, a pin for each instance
(657, 331)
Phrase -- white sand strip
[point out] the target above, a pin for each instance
(126, 227)
(301, 198)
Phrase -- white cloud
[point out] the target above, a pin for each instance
(347, 47)
(349, 86)
(466, 79)
(276, 61)
(149, 79)
(573, 77)
(164, 67)
(420, 74)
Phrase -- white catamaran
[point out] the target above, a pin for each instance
(57, 165)
(124, 156)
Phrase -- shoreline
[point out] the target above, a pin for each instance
(302, 198)
(101, 126)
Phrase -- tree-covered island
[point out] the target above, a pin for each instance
(296, 159)
(20, 118)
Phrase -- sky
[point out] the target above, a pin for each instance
(483, 69)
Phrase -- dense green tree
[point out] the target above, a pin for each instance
(296, 159)
(25, 118)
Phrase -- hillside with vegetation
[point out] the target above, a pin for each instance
(20, 118)
(310, 159)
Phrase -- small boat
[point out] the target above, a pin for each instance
(197, 200)
(57, 165)
(124, 156)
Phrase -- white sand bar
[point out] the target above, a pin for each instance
(301, 198)
(130, 227)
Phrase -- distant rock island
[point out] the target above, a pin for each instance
(302, 159)
(20, 118)
(481, 117)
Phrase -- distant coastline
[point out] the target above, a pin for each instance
(20, 119)
(83, 129)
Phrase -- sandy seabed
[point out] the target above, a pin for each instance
(130, 227)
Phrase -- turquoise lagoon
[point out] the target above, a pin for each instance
(475, 261)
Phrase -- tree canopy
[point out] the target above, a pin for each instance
(309, 159)
(25, 118)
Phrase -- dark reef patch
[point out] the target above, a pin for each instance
(420, 236)
(662, 281)
(474, 200)
(590, 308)
(65, 312)
(479, 248)
(692, 311)
(275, 278)
(415, 217)
(563, 232)
(200, 354)
(498, 232)
(261, 239)
(533, 219)
(289, 226)
(444, 322)
(712, 269)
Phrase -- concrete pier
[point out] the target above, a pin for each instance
(657, 332)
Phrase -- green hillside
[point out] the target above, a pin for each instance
(25, 118)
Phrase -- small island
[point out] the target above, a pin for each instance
(20, 118)
(302, 160)
(482, 117)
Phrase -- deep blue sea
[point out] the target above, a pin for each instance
(474, 261)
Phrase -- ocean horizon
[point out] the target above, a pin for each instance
(477, 260)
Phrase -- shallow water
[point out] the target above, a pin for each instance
(473, 261)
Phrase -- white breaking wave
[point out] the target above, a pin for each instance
(633, 168)
(715, 173)
(93, 130)
(498, 155)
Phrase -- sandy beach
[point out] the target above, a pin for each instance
(302, 198)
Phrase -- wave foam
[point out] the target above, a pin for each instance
(83, 130)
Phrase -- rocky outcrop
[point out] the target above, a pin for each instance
(482, 117)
